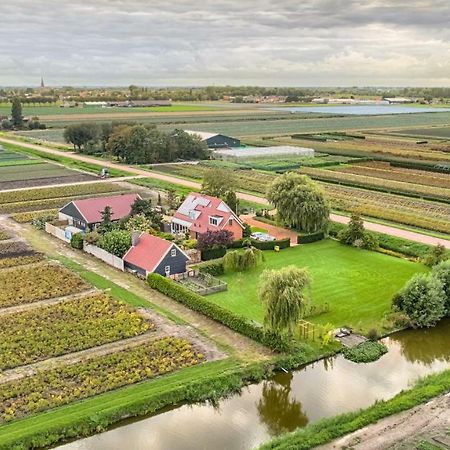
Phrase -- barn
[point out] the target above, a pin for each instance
(216, 140)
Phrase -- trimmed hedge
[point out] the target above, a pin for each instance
(309, 238)
(213, 267)
(391, 243)
(234, 321)
(282, 243)
(213, 253)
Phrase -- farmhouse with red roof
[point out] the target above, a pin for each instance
(200, 213)
(86, 214)
(151, 254)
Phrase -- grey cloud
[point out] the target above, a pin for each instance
(228, 41)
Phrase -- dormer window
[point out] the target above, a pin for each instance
(173, 252)
(213, 221)
(192, 214)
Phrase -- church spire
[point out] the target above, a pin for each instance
(42, 83)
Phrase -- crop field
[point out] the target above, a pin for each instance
(50, 134)
(52, 330)
(400, 209)
(376, 146)
(378, 169)
(432, 132)
(408, 187)
(27, 217)
(28, 284)
(46, 336)
(301, 125)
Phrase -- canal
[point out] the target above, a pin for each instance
(284, 402)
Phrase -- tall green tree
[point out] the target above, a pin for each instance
(221, 184)
(300, 202)
(422, 300)
(355, 234)
(16, 113)
(106, 223)
(441, 272)
(82, 134)
(283, 295)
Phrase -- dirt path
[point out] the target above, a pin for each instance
(402, 431)
(398, 232)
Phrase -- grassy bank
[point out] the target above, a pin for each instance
(327, 430)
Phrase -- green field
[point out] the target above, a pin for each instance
(357, 284)
(432, 132)
(56, 110)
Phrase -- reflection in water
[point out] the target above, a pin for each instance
(323, 389)
(427, 345)
(277, 409)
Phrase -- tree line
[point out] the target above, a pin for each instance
(135, 143)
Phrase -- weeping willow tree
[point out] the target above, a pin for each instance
(300, 202)
(242, 261)
(283, 294)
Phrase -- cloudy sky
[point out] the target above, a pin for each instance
(187, 42)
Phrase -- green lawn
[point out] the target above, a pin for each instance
(357, 284)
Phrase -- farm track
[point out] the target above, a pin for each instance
(398, 232)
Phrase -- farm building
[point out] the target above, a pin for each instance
(215, 140)
(86, 214)
(151, 254)
(250, 152)
(140, 103)
(200, 213)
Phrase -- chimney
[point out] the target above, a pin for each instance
(135, 238)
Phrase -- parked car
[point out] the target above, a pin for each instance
(263, 237)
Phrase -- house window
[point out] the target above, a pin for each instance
(213, 221)
(167, 270)
(230, 222)
(173, 252)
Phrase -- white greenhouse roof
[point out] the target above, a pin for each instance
(249, 152)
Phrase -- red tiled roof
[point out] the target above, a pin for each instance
(92, 208)
(201, 224)
(148, 252)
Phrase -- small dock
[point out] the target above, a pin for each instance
(349, 339)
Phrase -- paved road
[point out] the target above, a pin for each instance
(398, 232)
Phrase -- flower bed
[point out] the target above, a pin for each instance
(66, 384)
(29, 284)
(53, 330)
(26, 217)
(20, 260)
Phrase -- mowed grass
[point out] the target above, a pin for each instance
(357, 284)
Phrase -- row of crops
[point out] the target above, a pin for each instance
(401, 209)
(56, 314)
(23, 203)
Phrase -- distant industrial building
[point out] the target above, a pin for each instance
(140, 103)
(392, 100)
(215, 140)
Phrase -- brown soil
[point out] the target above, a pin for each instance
(402, 431)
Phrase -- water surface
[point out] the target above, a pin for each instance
(285, 402)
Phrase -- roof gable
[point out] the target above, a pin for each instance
(149, 252)
(91, 208)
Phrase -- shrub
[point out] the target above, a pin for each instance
(436, 255)
(213, 253)
(116, 242)
(441, 272)
(365, 352)
(422, 300)
(356, 235)
(200, 304)
(40, 221)
(212, 239)
(77, 241)
(213, 267)
(373, 334)
(282, 243)
(241, 261)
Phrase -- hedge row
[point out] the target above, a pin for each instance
(213, 267)
(308, 238)
(213, 253)
(391, 243)
(282, 243)
(234, 321)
